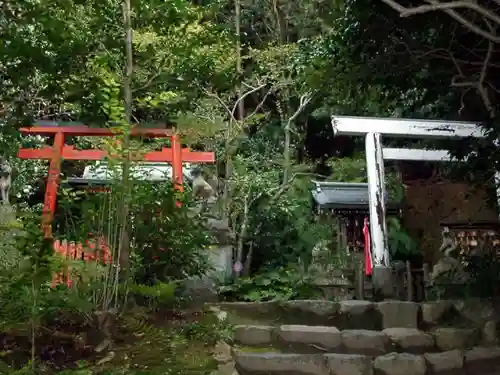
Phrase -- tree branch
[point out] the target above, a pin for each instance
(449, 8)
(259, 106)
(481, 85)
(304, 101)
(243, 231)
(481, 88)
(451, 5)
(231, 112)
(221, 102)
(243, 96)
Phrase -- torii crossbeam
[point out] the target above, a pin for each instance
(175, 155)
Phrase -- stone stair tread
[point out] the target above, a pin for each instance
(342, 314)
(476, 361)
(306, 339)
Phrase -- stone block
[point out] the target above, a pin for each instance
(482, 360)
(223, 352)
(400, 364)
(490, 333)
(475, 310)
(382, 281)
(355, 307)
(253, 335)
(365, 342)
(354, 314)
(225, 369)
(433, 312)
(279, 363)
(349, 364)
(326, 338)
(315, 312)
(399, 314)
(410, 340)
(252, 310)
(445, 363)
(455, 338)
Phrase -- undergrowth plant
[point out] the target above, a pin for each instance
(277, 285)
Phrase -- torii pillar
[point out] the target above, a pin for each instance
(382, 270)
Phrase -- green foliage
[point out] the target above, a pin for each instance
(280, 218)
(351, 169)
(172, 240)
(169, 242)
(400, 242)
(157, 295)
(27, 296)
(278, 285)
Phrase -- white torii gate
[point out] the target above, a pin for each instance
(373, 129)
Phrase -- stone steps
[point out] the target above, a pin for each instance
(476, 361)
(325, 339)
(365, 338)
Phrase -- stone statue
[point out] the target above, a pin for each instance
(202, 191)
(201, 188)
(448, 264)
(5, 180)
(449, 243)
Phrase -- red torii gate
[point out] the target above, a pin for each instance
(59, 151)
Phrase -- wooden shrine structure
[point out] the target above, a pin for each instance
(349, 202)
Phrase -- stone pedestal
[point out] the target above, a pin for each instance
(7, 214)
(383, 281)
(221, 259)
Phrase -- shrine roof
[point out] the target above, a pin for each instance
(342, 195)
(147, 171)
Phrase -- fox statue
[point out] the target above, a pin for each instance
(5, 180)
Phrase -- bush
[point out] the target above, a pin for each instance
(279, 285)
(166, 241)
(173, 241)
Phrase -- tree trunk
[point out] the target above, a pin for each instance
(123, 225)
(240, 114)
(286, 154)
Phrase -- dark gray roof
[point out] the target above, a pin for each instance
(341, 195)
(79, 181)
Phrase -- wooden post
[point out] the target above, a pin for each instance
(49, 205)
(360, 281)
(382, 272)
(425, 281)
(409, 281)
(497, 185)
(341, 236)
(177, 162)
